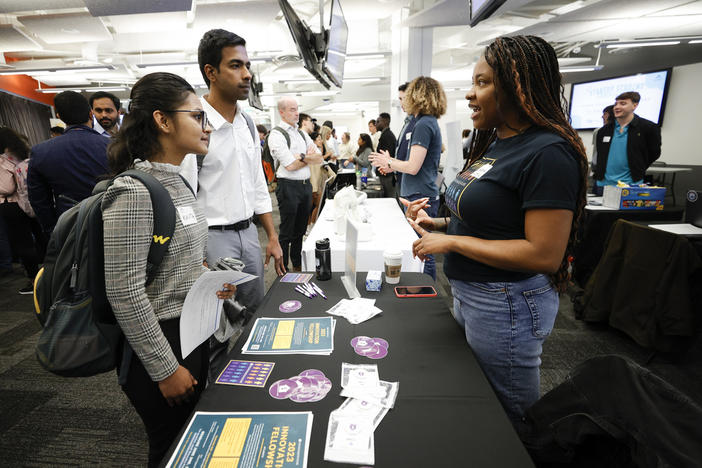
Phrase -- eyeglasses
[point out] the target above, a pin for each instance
(199, 115)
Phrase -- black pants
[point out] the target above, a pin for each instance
(388, 184)
(162, 422)
(21, 231)
(294, 203)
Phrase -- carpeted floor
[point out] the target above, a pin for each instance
(47, 420)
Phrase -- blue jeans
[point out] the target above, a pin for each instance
(432, 212)
(506, 325)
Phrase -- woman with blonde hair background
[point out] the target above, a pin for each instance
(426, 101)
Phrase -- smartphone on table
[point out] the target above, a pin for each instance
(415, 291)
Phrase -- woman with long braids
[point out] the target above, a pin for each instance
(514, 214)
(165, 122)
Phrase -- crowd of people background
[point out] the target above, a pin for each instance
(514, 210)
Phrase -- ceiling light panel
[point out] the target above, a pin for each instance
(652, 27)
(66, 29)
(622, 10)
(10, 6)
(166, 22)
(130, 7)
(185, 40)
(12, 39)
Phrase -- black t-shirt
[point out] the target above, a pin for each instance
(536, 169)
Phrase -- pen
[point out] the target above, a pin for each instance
(310, 289)
(319, 290)
(302, 291)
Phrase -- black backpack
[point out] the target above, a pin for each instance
(81, 336)
(266, 155)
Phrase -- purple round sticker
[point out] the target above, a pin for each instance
(382, 342)
(303, 397)
(312, 373)
(365, 339)
(304, 382)
(378, 353)
(290, 306)
(282, 389)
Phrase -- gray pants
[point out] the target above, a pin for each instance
(242, 245)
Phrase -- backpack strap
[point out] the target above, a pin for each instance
(164, 220)
(252, 127)
(285, 135)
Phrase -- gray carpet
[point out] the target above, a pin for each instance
(47, 420)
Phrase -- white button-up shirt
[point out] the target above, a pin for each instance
(231, 186)
(98, 128)
(286, 156)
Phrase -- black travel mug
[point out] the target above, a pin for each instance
(322, 255)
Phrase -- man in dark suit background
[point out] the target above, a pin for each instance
(64, 170)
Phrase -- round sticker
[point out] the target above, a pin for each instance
(282, 389)
(692, 196)
(290, 306)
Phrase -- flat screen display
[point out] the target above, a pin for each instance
(589, 98)
(336, 46)
(481, 9)
(303, 37)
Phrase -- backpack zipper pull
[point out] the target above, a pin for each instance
(74, 276)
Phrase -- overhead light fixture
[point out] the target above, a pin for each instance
(638, 43)
(361, 80)
(319, 93)
(365, 57)
(87, 89)
(29, 71)
(581, 68)
(695, 41)
(166, 64)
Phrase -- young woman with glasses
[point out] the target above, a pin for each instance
(165, 122)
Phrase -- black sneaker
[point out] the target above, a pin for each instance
(28, 289)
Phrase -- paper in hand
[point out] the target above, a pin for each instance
(202, 309)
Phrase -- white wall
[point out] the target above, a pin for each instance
(681, 124)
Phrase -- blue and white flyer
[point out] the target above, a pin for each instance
(245, 440)
(301, 335)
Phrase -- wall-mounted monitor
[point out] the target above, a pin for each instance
(587, 99)
(306, 41)
(335, 56)
(482, 9)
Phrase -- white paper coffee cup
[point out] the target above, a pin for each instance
(393, 265)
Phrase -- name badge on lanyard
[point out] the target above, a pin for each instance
(187, 215)
(408, 136)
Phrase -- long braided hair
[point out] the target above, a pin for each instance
(528, 80)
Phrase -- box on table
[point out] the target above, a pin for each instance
(633, 197)
(374, 280)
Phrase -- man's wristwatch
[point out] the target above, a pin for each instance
(302, 157)
(389, 161)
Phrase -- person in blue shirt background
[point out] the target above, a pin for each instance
(426, 101)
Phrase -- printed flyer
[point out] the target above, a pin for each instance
(244, 440)
(305, 335)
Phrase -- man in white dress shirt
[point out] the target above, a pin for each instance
(106, 118)
(294, 191)
(231, 186)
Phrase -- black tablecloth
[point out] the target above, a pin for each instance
(446, 413)
(595, 227)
